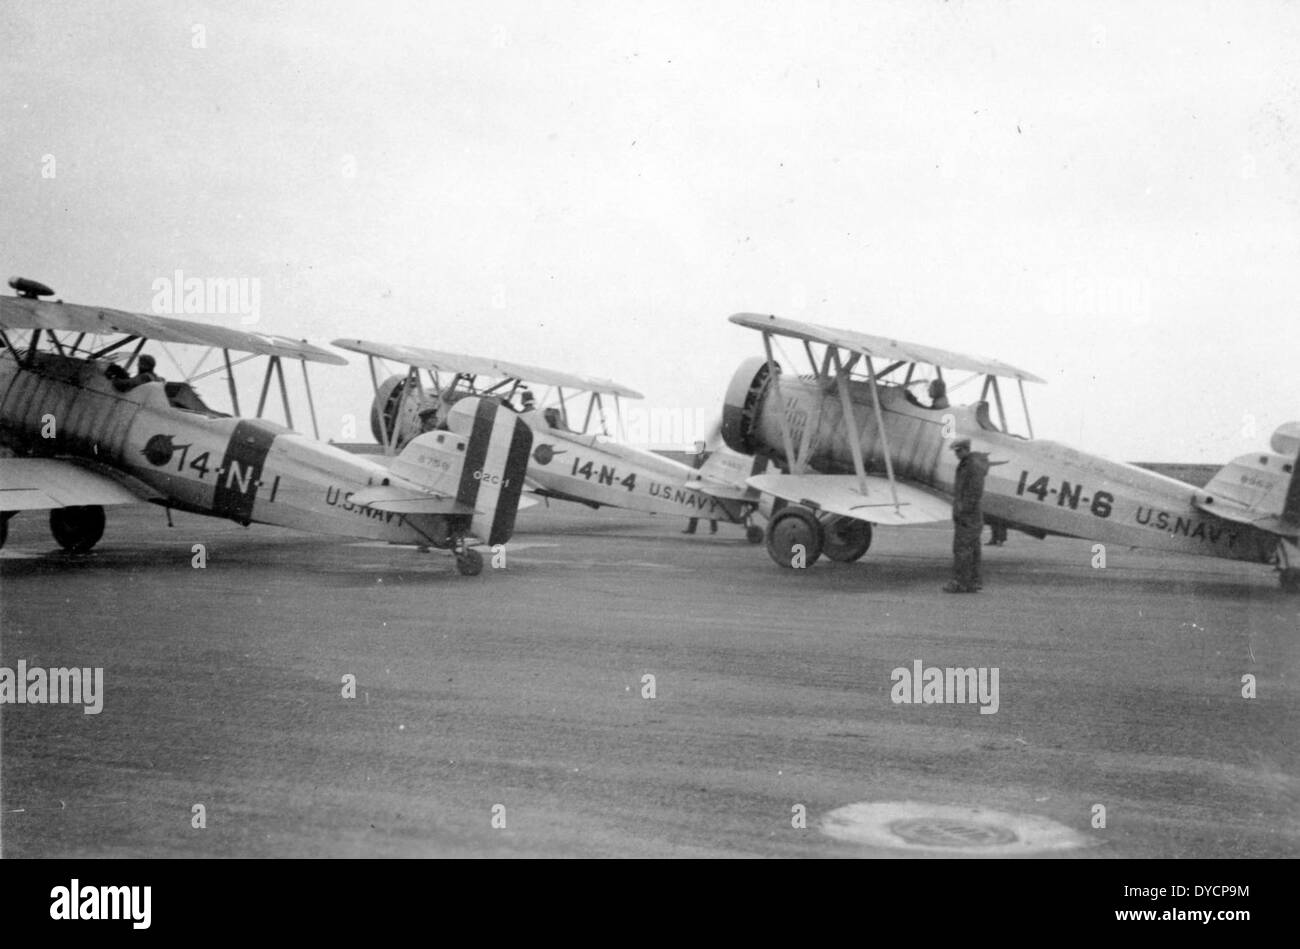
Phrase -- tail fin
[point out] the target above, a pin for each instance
(481, 462)
(728, 467)
(1261, 489)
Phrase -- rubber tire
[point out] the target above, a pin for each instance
(77, 529)
(4, 528)
(754, 534)
(1290, 580)
(470, 563)
(790, 526)
(846, 539)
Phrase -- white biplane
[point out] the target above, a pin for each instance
(857, 448)
(82, 435)
(570, 462)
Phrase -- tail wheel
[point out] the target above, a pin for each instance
(469, 562)
(77, 529)
(794, 538)
(847, 539)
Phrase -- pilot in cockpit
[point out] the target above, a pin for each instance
(553, 419)
(938, 394)
(124, 383)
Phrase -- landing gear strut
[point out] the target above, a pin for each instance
(77, 529)
(1288, 566)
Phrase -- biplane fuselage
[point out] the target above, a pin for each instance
(246, 470)
(593, 470)
(1033, 483)
(566, 463)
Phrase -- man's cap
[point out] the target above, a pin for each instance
(961, 443)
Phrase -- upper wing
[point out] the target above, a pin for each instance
(839, 494)
(892, 349)
(39, 484)
(27, 313)
(480, 366)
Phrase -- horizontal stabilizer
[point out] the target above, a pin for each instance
(41, 484)
(842, 495)
(408, 501)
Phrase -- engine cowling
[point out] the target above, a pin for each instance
(393, 412)
(742, 403)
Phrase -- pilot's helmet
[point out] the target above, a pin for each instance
(147, 363)
(937, 389)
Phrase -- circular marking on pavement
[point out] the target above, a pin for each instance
(944, 828)
(946, 832)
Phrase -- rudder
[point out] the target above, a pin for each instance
(497, 448)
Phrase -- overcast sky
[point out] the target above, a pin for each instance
(1104, 195)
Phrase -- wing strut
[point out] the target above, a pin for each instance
(311, 403)
(884, 439)
(997, 397)
(774, 374)
(1024, 404)
(812, 360)
(230, 380)
(284, 390)
(850, 422)
(383, 422)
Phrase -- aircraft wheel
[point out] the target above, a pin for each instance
(754, 534)
(790, 529)
(1290, 578)
(4, 527)
(847, 539)
(77, 529)
(469, 563)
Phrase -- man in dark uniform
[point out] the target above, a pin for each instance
(967, 519)
(695, 521)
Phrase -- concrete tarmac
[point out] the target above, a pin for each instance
(618, 689)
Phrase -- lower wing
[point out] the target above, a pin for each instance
(842, 495)
(39, 484)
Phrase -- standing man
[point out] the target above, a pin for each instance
(694, 522)
(967, 519)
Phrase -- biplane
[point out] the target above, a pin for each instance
(84, 435)
(856, 447)
(571, 460)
